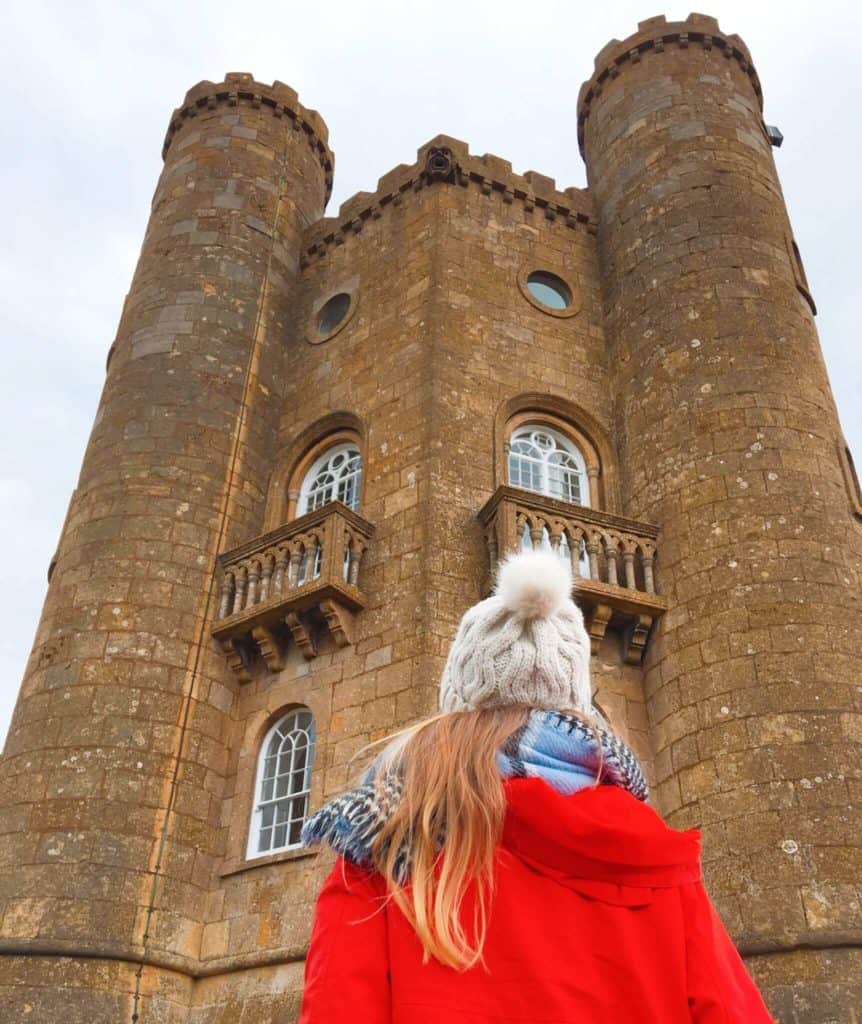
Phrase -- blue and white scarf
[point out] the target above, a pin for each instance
(561, 749)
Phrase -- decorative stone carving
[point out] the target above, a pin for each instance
(302, 635)
(636, 638)
(235, 660)
(598, 624)
(268, 646)
(339, 619)
(440, 165)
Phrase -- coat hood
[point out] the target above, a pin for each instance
(557, 950)
(601, 841)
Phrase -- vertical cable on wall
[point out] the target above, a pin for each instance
(236, 444)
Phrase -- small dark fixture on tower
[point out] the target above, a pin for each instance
(440, 165)
(774, 135)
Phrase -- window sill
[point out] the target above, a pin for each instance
(236, 867)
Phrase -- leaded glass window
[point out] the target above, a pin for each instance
(546, 462)
(335, 475)
(283, 784)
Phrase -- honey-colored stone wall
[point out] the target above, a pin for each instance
(687, 363)
(421, 371)
(112, 773)
(728, 439)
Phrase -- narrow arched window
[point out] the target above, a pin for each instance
(334, 475)
(851, 477)
(799, 276)
(547, 462)
(283, 784)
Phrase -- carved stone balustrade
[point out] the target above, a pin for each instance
(612, 559)
(291, 584)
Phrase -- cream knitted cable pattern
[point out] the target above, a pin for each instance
(526, 644)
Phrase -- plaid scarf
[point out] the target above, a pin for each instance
(561, 749)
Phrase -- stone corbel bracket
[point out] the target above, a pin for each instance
(269, 628)
(634, 623)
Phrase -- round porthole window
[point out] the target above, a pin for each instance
(549, 290)
(334, 310)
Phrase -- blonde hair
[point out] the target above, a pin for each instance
(452, 793)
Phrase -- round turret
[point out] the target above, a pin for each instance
(728, 440)
(117, 746)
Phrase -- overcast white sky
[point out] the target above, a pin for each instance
(88, 92)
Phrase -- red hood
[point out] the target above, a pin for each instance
(600, 841)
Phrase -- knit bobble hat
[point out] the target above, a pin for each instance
(525, 644)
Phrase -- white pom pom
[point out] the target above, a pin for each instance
(534, 584)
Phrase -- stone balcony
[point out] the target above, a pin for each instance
(292, 584)
(612, 559)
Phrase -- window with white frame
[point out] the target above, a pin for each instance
(283, 784)
(335, 474)
(547, 462)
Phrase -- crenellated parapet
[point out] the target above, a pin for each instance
(240, 88)
(654, 35)
(447, 160)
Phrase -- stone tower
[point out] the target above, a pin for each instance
(728, 437)
(316, 438)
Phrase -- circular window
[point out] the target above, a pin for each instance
(550, 290)
(332, 313)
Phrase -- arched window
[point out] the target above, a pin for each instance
(283, 784)
(547, 462)
(335, 474)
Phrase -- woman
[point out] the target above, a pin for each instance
(499, 864)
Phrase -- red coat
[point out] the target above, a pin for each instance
(599, 915)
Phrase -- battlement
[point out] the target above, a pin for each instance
(450, 160)
(654, 34)
(239, 87)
